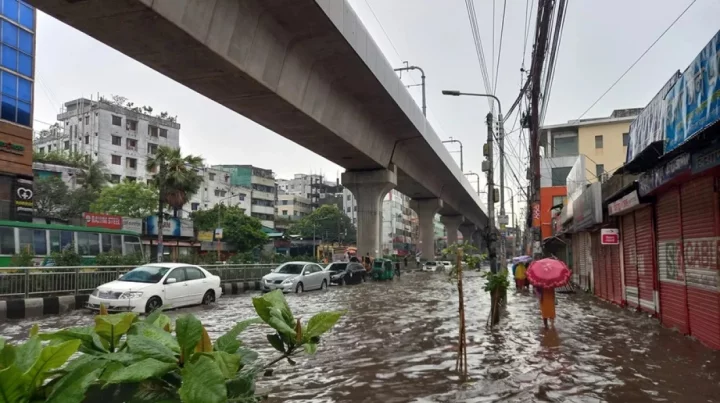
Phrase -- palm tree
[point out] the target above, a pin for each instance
(177, 180)
(93, 176)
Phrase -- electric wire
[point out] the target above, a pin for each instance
(502, 30)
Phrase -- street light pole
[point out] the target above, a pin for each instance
(477, 179)
(501, 146)
(422, 76)
(461, 150)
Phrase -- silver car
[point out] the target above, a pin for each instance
(296, 277)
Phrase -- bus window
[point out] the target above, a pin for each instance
(34, 240)
(88, 243)
(7, 241)
(132, 245)
(94, 243)
(60, 240)
(111, 242)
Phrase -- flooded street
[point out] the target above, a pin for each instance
(397, 344)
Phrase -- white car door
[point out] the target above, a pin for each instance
(319, 275)
(176, 293)
(197, 284)
(308, 278)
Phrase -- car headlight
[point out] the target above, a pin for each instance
(95, 292)
(131, 294)
(288, 281)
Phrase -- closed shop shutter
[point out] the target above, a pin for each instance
(700, 244)
(645, 251)
(630, 261)
(615, 273)
(598, 285)
(583, 259)
(673, 292)
(577, 265)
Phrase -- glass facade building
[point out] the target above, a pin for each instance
(17, 51)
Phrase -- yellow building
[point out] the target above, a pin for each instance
(603, 142)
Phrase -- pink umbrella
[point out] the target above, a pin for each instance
(548, 273)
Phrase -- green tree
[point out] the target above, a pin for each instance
(93, 177)
(177, 180)
(127, 199)
(239, 229)
(50, 199)
(328, 223)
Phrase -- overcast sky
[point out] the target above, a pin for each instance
(600, 40)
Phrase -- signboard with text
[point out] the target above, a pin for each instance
(103, 221)
(23, 198)
(610, 236)
(656, 177)
(624, 204)
(171, 227)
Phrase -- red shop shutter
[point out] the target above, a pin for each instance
(615, 272)
(673, 293)
(645, 252)
(700, 243)
(597, 280)
(586, 281)
(630, 260)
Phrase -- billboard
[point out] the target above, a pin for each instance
(649, 126)
(171, 226)
(132, 224)
(103, 220)
(575, 183)
(588, 208)
(23, 198)
(694, 101)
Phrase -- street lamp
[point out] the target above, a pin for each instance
(422, 76)
(477, 178)
(461, 150)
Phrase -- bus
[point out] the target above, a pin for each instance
(44, 239)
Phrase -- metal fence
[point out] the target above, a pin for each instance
(26, 282)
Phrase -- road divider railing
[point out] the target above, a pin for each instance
(46, 281)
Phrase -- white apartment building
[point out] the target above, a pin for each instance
(292, 207)
(264, 192)
(218, 189)
(121, 137)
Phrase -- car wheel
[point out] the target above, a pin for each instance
(323, 286)
(342, 281)
(208, 298)
(153, 304)
(299, 288)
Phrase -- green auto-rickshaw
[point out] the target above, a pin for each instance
(382, 269)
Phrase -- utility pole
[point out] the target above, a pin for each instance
(503, 219)
(422, 84)
(491, 195)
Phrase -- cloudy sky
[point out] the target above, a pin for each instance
(601, 39)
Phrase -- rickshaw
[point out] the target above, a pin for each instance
(383, 270)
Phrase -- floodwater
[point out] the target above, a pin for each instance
(398, 342)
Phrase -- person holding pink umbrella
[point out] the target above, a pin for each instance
(547, 305)
(546, 275)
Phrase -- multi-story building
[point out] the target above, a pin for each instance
(292, 206)
(601, 141)
(16, 115)
(264, 191)
(120, 137)
(218, 189)
(313, 187)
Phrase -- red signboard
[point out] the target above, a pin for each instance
(103, 220)
(610, 236)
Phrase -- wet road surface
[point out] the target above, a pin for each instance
(397, 344)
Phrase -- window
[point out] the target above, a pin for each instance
(178, 274)
(559, 176)
(131, 125)
(152, 131)
(131, 178)
(163, 133)
(7, 241)
(284, 202)
(60, 240)
(599, 170)
(349, 210)
(241, 196)
(557, 200)
(626, 139)
(349, 197)
(87, 139)
(152, 148)
(211, 175)
(193, 274)
(87, 119)
(131, 163)
(49, 148)
(564, 145)
(598, 141)
(194, 206)
(131, 144)
(116, 140)
(111, 242)
(76, 131)
(284, 212)
(116, 120)
(41, 150)
(115, 178)
(116, 160)
(66, 144)
(88, 243)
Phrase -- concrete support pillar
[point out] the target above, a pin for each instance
(467, 230)
(369, 189)
(477, 241)
(426, 210)
(452, 225)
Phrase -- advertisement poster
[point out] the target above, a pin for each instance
(132, 224)
(171, 227)
(694, 101)
(23, 196)
(103, 220)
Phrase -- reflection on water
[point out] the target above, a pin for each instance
(398, 342)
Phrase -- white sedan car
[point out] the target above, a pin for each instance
(296, 277)
(148, 287)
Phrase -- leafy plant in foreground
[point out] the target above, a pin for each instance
(126, 359)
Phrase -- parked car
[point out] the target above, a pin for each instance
(342, 273)
(146, 288)
(296, 277)
(448, 265)
(432, 266)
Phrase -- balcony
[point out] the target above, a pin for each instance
(261, 180)
(262, 209)
(257, 194)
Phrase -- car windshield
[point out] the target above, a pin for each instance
(291, 268)
(145, 274)
(337, 267)
(431, 263)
